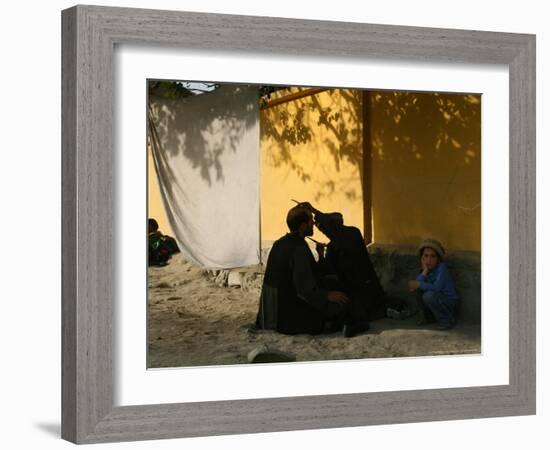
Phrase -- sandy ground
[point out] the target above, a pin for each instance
(192, 321)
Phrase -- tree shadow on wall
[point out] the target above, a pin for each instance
(309, 125)
(405, 127)
(202, 128)
(411, 127)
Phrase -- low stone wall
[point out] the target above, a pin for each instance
(395, 265)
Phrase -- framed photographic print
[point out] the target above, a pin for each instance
(188, 139)
(365, 152)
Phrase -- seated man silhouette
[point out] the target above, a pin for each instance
(292, 300)
(348, 260)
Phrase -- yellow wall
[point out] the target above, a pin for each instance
(426, 168)
(155, 208)
(311, 150)
(425, 173)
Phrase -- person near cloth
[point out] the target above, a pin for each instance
(437, 297)
(292, 300)
(160, 246)
(346, 260)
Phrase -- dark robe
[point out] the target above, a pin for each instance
(347, 256)
(292, 301)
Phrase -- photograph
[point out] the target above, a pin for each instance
(289, 224)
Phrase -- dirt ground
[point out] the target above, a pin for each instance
(193, 321)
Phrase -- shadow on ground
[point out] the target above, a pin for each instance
(53, 429)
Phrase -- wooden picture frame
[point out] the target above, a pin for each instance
(89, 34)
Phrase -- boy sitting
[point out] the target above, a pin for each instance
(437, 297)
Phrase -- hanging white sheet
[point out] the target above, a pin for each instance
(206, 155)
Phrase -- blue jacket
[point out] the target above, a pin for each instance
(438, 280)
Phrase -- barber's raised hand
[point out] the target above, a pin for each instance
(309, 207)
(338, 297)
(413, 285)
